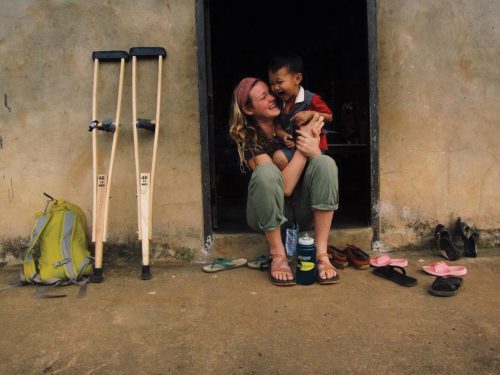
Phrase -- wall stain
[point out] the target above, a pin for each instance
(423, 230)
(14, 247)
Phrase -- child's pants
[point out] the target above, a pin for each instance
(317, 189)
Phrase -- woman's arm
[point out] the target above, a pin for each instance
(291, 173)
(309, 148)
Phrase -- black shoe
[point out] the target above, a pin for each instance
(445, 245)
(470, 237)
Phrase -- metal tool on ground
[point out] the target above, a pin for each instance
(102, 182)
(145, 180)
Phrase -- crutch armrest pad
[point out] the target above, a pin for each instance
(148, 52)
(110, 56)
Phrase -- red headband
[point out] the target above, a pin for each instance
(243, 91)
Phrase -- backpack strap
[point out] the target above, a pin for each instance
(67, 234)
(67, 262)
(30, 267)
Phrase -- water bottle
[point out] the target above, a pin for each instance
(306, 261)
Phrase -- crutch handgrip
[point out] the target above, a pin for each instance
(144, 123)
(110, 56)
(107, 125)
(148, 52)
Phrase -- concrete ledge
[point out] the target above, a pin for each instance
(249, 245)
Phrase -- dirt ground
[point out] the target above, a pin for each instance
(185, 321)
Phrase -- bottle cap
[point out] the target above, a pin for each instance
(306, 240)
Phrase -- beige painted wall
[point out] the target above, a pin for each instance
(439, 84)
(439, 88)
(46, 71)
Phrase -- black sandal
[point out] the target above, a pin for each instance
(396, 274)
(445, 245)
(445, 286)
(470, 237)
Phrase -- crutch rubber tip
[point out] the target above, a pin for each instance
(146, 273)
(97, 276)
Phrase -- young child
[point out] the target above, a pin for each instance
(298, 105)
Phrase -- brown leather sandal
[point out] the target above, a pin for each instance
(337, 257)
(323, 264)
(279, 263)
(357, 257)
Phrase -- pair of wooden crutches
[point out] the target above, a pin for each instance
(144, 181)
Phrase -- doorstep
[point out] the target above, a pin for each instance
(249, 245)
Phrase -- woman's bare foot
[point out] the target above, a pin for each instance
(326, 270)
(281, 273)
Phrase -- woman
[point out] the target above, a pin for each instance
(304, 192)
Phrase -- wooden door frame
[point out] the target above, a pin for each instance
(205, 105)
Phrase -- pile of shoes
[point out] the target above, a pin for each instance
(445, 243)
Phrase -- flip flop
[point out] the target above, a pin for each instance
(259, 263)
(442, 269)
(386, 260)
(224, 264)
(391, 273)
(445, 286)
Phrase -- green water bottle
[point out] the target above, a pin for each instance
(306, 261)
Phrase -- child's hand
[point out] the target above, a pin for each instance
(302, 118)
(288, 141)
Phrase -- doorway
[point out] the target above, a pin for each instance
(332, 39)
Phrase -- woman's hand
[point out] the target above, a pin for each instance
(308, 140)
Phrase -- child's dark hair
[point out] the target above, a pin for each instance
(292, 62)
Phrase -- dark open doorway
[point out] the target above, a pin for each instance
(332, 38)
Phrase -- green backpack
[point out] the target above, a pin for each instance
(58, 252)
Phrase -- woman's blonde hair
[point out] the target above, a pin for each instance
(243, 131)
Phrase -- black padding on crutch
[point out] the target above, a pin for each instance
(146, 273)
(110, 56)
(148, 52)
(97, 276)
(144, 123)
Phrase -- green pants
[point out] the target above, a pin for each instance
(317, 189)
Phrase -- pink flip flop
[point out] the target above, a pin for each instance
(386, 260)
(442, 269)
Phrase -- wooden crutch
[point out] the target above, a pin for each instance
(145, 180)
(102, 182)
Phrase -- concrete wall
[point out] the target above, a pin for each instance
(439, 90)
(439, 84)
(46, 72)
